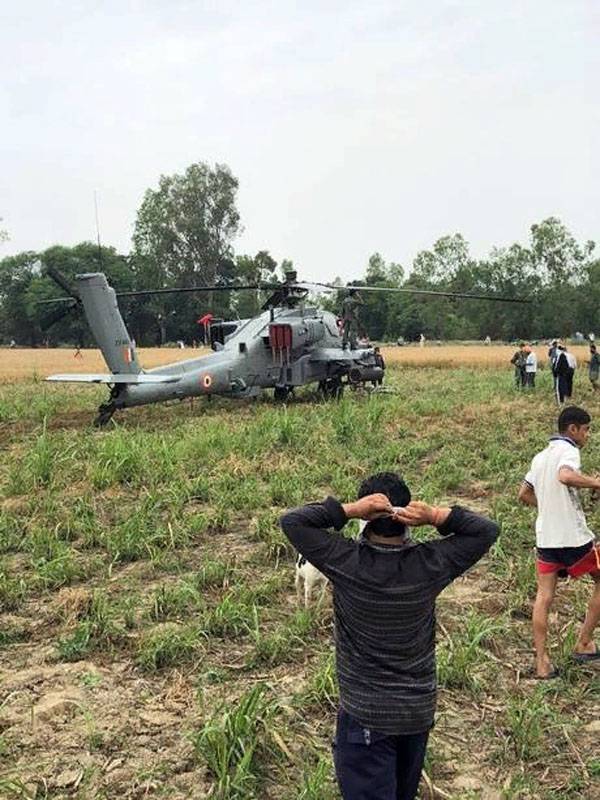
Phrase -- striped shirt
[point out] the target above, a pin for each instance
(384, 609)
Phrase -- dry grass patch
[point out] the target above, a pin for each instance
(27, 363)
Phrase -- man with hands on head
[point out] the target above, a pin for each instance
(384, 591)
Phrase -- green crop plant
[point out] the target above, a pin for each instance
(215, 573)
(174, 601)
(284, 643)
(170, 645)
(97, 629)
(232, 742)
(230, 617)
(317, 783)
(461, 654)
(12, 590)
(532, 721)
(321, 690)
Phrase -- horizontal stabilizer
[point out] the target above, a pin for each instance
(130, 378)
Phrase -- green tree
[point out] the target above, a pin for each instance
(261, 268)
(23, 285)
(183, 236)
(16, 274)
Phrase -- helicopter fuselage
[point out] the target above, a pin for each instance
(285, 348)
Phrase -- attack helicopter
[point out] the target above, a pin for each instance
(291, 343)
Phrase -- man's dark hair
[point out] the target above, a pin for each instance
(391, 485)
(592, 348)
(573, 415)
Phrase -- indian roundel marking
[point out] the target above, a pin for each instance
(206, 381)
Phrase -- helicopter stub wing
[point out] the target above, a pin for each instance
(329, 354)
(136, 380)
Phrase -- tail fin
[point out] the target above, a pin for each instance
(106, 323)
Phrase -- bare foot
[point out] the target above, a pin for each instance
(544, 667)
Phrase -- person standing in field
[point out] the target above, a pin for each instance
(379, 362)
(553, 350)
(384, 592)
(518, 361)
(530, 367)
(594, 366)
(565, 544)
(561, 372)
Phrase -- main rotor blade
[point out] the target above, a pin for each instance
(426, 292)
(57, 315)
(218, 288)
(269, 287)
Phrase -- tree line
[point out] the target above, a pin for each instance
(184, 235)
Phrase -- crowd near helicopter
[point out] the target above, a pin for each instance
(289, 344)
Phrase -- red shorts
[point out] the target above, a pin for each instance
(557, 559)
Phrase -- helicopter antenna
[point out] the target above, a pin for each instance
(97, 228)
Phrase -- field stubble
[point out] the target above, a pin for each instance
(150, 644)
(24, 364)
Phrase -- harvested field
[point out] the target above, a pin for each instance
(25, 364)
(22, 363)
(150, 641)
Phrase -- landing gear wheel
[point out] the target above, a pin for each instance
(105, 413)
(282, 393)
(331, 388)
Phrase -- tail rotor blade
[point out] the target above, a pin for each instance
(60, 279)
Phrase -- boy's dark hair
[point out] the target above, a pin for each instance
(593, 348)
(391, 485)
(573, 415)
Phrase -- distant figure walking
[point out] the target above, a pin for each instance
(561, 370)
(594, 366)
(422, 340)
(518, 361)
(530, 367)
(572, 361)
(488, 340)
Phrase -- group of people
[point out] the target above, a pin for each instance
(563, 364)
(385, 587)
(525, 363)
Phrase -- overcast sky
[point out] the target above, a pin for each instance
(351, 126)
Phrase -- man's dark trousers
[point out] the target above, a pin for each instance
(373, 766)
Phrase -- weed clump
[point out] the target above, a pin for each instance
(234, 742)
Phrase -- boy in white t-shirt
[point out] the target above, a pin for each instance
(565, 544)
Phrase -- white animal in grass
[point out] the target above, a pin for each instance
(308, 578)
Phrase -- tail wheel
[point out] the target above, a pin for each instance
(105, 414)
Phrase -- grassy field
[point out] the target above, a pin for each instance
(150, 641)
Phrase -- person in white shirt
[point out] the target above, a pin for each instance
(530, 367)
(565, 544)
